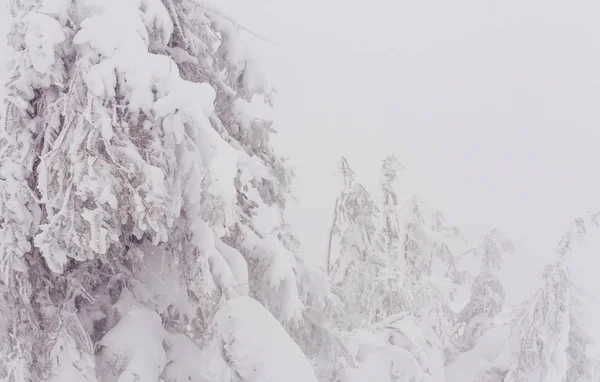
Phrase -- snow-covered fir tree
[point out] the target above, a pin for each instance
(579, 361)
(424, 271)
(547, 341)
(353, 257)
(592, 373)
(487, 293)
(390, 232)
(543, 331)
(131, 169)
(353, 222)
(403, 276)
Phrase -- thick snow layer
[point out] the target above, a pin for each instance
(468, 365)
(133, 349)
(183, 360)
(237, 264)
(395, 349)
(378, 360)
(43, 34)
(391, 365)
(256, 346)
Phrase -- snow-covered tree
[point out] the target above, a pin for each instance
(592, 373)
(548, 342)
(131, 169)
(543, 331)
(487, 293)
(390, 235)
(353, 224)
(580, 365)
(357, 261)
(422, 273)
(579, 362)
(406, 272)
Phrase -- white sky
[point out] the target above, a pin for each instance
(493, 106)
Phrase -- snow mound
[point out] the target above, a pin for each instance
(469, 365)
(256, 347)
(182, 360)
(133, 349)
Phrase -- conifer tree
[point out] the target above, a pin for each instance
(579, 362)
(131, 167)
(390, 235)
(547, 331)
(487, 293)
(398, 282)
(357, 260)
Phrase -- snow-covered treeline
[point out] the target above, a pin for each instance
(421, 304)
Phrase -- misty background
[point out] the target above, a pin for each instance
(493, 107)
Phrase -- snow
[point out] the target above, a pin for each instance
(118, 34)
(397, 365)
(184, 360)
(58, 9)
(379, 357)
(70, 364)
(467, 366)
(237, 264)
(133, 349)
(256, 345)
(42, 35)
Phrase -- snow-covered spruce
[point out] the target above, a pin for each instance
(131, 169)
(353, 259)
(547, 343)
(487, 293)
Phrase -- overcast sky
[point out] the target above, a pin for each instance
(493, 106)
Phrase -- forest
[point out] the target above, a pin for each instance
(144, 234)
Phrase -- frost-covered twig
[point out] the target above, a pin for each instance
(214, 9)
(333, 225)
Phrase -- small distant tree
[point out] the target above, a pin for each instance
(353, 222)
(551, 344)
(543, 331)
(579, 362)
(355, 269)
(390, 232)
(487, 292)
(424, 268)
